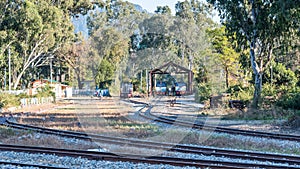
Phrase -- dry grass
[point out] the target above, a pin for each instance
(105, 116)
(8, 132)
(33, 139)
(110, 117)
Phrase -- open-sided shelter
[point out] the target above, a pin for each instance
(170, 68)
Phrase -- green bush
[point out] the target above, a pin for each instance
(204, 92)
(289, 101)
(269, 90)
(45, 91)
(244, 94)
(24, 95)
(282, 76)
(9, 100)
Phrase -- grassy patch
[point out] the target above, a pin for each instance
(229, 141)
(255, 114)
(6, 132)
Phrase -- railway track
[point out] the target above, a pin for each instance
(135, 158)
(201, 126)
(29, 165)
(217, 152)
(207, 151)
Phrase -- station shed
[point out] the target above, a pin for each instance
(170, 68)
(60, 90)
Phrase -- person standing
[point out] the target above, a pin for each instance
(173, 90)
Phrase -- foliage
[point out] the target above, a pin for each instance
(280, 76)
(193, 11)
(118, 14)
(289, 101)
(76, 55)
(111, 45)
(202, 74)
(260, 26)
(280, 85)
(239, 92)
(45, 91)
(9, 100)
(204, 92)
(105, 74)
(223, 47)
(163, 10)
(34, 31)
(269, 90)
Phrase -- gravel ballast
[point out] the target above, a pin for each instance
(70, 162)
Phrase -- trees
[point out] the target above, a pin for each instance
(76, 55)
(35, 30)
(261, 26)
(110, 32)
(111, 47)
(189, 26)
(163, 10)
(224, 49)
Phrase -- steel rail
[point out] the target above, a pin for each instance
(292, 160)
(218, 152)
(29, 165)
(136, 158)
(219, 129)
(222, 129)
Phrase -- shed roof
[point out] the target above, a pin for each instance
(170, 67)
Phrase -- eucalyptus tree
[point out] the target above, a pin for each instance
(152, 41)
(262, 26)
(223, 47)
(110, 46)
(8, 17)
(110, 29)
(123, 16)
(35, 30)
(163, 10)
(76, 55)
(179, 37)
(194, 11)
(191, 21)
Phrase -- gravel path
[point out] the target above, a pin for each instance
(74, 163)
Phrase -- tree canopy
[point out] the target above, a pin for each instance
(35, 30)
(261, 26)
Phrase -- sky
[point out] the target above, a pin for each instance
(150, 5)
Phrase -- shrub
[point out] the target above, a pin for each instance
(244, 94)
(281, 76)
(45, 91)
(204, 92)
(9, 100)
(269, 90)
(289, 101)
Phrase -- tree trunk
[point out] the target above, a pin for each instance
(18, 79)
(257, 91)
(80, 86)
(227, 77)
(257, 73)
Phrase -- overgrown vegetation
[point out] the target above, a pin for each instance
(253, 54)
(46, 91)
(289, 101)
(11, 100)
(204, 92)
